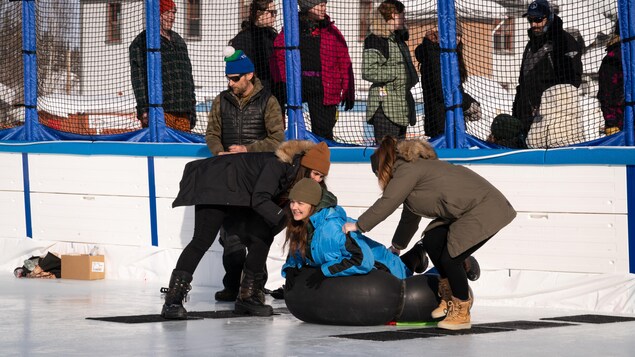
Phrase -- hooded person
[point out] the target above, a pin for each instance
(245, 194)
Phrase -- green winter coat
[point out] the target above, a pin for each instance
(387, 64)
(452, 195)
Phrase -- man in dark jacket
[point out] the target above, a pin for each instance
(552, 56)
(244, 118)
(179, 100)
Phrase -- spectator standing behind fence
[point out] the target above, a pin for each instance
(179, 100)
(552, 56)
(256, 38)
(428, 53)
(244, 118)
(327, 71)
(387, 64)
(611, 91)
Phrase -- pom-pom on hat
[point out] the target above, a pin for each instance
(306, 5)
(318, 158)
(307, 191)
(166, 5)
(236, 61)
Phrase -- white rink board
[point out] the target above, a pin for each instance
(571, 218)
(11, 172)
(95, 174)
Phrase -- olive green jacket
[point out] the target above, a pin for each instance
(387, 64)
(474, 209)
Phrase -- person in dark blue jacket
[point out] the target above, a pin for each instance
(314, 238)
(244, 193)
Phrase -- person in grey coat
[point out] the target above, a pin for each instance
(466, 209)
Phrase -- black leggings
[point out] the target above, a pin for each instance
(255, 233)
(435, 242)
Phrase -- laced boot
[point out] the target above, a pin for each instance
(416, 259)
(176, 295)
(458, 317)
(445, 293)
(472, 268)
(251, 297)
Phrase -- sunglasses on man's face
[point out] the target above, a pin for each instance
(535, 19)
(235, 78)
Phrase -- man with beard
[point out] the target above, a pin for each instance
(244, 118)
(552, 56)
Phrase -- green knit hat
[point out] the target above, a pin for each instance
(306, 190)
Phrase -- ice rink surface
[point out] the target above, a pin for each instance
(49, 317)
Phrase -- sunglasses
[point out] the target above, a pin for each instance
(235, 78)
(535, 19)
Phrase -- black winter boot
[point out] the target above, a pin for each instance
(251, 298)
(175, 295)
(416, 259)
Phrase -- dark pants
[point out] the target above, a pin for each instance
(435, 242)
(255, 234)
(323, 117)
(234, 254)
(384, 127)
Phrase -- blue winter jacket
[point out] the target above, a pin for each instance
(338, 255)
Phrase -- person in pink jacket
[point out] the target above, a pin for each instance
(327, 72)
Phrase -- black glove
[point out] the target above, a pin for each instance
(348, 104)
(291, 274)
(315, 279)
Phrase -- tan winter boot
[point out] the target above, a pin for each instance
(458, 317)
(445, 293)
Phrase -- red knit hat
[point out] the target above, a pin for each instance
(166, 5)
(318, 158)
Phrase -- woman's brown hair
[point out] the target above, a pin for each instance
(386, 155)
(256, 9)
(296, 236)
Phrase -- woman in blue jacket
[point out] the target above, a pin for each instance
(314, 237)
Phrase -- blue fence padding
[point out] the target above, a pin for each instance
(561, 156)
(296, 128)
(626, 15)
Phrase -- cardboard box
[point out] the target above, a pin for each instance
(83, 267)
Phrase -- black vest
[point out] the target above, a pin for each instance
(243, 127)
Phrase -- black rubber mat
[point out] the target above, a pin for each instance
(191, 315)
(592, 319)
(408, 334)
(418, 333)
(523, 325)
(138, 319)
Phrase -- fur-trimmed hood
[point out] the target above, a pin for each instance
(289, 149)
(409, 150)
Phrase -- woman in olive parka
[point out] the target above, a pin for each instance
(466, 210)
